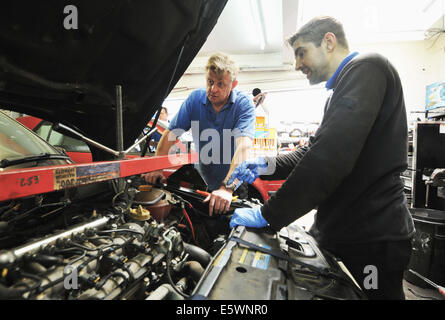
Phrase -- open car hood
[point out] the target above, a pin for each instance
(70, 76)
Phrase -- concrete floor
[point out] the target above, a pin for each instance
(412, 292)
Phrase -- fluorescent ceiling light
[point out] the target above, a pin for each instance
(258, 20)
(428, 6)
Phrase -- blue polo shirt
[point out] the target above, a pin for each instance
(214, 134)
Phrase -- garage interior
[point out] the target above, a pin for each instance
(413, 42)
(253, 33)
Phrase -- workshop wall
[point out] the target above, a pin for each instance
(419, 64)
(290, 96)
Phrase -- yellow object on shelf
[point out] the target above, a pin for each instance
(265, 142)
(260, 122)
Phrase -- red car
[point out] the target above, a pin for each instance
(76, 149)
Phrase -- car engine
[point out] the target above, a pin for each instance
(97, 242)
(122, 239)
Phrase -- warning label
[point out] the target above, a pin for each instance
(64, 178)
(255, 259)
(71, 177)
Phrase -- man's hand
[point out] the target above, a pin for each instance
(154, 177)
(262, 95)
(249, 217)
(249, 170)
(219, 201)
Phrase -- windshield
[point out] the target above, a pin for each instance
(17, 142)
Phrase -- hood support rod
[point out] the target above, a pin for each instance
(119, 123)
(120, 153)
(101, 146)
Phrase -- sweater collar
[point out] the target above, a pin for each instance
(331, 82)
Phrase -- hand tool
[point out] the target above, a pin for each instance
(439, 288)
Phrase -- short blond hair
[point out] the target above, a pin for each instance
(221, 63)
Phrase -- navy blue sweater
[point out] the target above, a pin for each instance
(351, 170)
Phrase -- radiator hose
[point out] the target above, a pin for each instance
(197, 254)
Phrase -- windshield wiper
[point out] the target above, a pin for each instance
(40, 157)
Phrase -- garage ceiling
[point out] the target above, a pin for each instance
(246, 27)
(253, 32)
(260, 26)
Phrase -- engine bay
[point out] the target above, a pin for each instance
(123, 239)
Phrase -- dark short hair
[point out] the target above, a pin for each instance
(165, 109)
(315, 30)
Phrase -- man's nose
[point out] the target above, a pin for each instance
(298, 64)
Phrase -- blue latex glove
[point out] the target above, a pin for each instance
(249, 217)
(249, 170)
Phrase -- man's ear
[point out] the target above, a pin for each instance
(234, 84)
(331, 41)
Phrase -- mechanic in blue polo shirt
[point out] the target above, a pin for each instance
(223, 122)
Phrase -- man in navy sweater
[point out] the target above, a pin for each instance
(350, 172)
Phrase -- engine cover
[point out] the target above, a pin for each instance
(264, 265)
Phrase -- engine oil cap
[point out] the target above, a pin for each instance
(145, 187)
